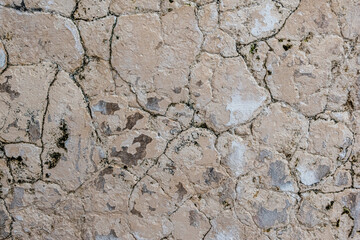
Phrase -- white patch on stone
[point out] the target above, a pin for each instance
(76, 35)
(226, 236)
(242, 109)
(2, 58)
(307, 176)
(236, 161)
(287, 187)
(267, 24)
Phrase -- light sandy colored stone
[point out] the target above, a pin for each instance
(236, 97)
(124, 6)
(97, 45)
(156, 70)
(347, 12)
(60, 6)
(96, 78)
(189, 222)
(32, 37)
(24, 161)
(70, 142)
(23, 101)
(208, 17)
(90, 9)
(293, 69)
(219, 42)
(253, 19)
(280, 128)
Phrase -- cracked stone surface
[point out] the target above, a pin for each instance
(179, 119)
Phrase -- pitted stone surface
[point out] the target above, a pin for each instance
(179, 119)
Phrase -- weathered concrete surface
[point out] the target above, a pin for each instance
(179, 119)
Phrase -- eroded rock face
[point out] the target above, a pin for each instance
(180, 119)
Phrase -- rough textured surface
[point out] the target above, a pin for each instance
(179, 119)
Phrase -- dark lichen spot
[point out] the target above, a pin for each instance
(106, 108)
(329, 206)
(136, 212)
(153, 103)
(132, 120)
(111, 208)
(55, 158)
(287, 46)
(277, 174)
(132, 159)
(322, 22)
(267, 219)
(269, 72)
(322, 171)
(17, 199)
(33, 130)
(338, 223)
(100, 182)
(253, 48)
(145, 190)
(210, 176)
(6, 87)
(177, 90)
(65, 135)
(152, 209)
(181, 191)
(194, 218)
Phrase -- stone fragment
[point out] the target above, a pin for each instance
(236, 154)
(70, 142)
(96, 78)
(60, 6)
(195, 154)
(91, 9)
(5, 221)
(32, 37)
(108, 192)
(97, 45)
(227, 226)
(219, 42)
(189, 223)
(24, 161)
(252, 20)
(172, 179)
(149, 210)
(280, 127)
(5, 178)
(347, 12)
(311, 17)
(23, 101)
(181, 113)
(208, 17)
(235, 96)
(301, 74)
(3, 57)
(123, 6)
(256, 55)
(156, 69)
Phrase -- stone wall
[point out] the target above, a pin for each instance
(179, 119)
